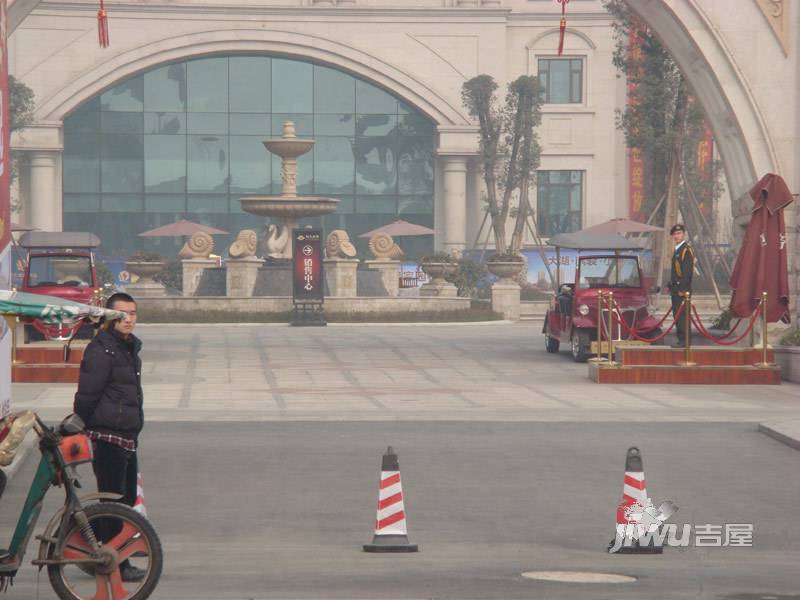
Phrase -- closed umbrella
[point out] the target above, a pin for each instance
(181, 228)
(762, 263)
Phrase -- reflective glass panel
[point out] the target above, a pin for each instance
(334, 91)
(371, 99)
(166, 123)
(292, 86)
(250, 84)
(164, 163)
(334, 166)
(121, 122)
(208, 85)
(81, 162)
(122, 162)
(165, 203)
(376, 171)
(125, 96)
(250, 165)
(208, 163)
(165, 89)
(207, 123)
(251, 124)
(376, 125)
(342, 125)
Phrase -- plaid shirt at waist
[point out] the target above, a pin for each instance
(110, 438)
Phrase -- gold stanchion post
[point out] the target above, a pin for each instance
(599, 354)
(687, 330)
(11, 323)
(610, 330)
(764, 334)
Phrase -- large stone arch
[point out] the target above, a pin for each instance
(721, 88)
(294, 45)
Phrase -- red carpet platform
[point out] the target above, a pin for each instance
(714, 366)
(44, 364)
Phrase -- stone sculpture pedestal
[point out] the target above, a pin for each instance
(390, 274)
(240, 276)
(146, 289)
(506, 299)
(341, 274)
(193, 272)
(438, 288)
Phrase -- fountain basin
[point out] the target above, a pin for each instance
(288, 208)
(290, 148)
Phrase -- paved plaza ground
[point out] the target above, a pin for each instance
(263, 443)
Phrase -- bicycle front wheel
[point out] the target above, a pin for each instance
(130, 537)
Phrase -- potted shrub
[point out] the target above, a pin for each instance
(506, 267)
(787, 355)
(439, 266)
(145, 264)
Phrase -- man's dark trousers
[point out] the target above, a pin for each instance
(683, 322)
(117, 471)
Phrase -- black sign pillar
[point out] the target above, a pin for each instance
(308, 279)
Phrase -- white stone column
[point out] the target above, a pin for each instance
(44, 208)
(454, 182)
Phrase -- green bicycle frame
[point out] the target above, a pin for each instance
(32, 508)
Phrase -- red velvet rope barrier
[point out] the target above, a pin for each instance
(633, 332)
(704, 332)
(732, 329)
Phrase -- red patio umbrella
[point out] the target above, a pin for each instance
(621, 227)
(762, 264)
(179, 228)
(400, 228)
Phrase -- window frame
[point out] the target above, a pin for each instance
(581, 60)
(540, 219)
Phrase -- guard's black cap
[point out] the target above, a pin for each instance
(676, 228)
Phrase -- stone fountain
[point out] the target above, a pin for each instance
(288, 207)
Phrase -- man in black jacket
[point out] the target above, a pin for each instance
(109, 400)
(680, 279)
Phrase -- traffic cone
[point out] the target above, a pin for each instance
(630, 510)
(138, 505)
(391, 534)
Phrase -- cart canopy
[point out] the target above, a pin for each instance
(52, 310)
(58, 239)
(581, 240)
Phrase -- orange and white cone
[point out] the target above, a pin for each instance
(138, 505)
(629, 510)
(391, 534)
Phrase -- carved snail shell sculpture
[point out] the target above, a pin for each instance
(245, 244)
(338, 245)
(383, 247)
(200, 245)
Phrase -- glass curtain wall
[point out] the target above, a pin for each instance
(184, 141)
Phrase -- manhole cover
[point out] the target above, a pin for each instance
(578, 577)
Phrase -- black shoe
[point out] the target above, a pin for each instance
(130, 573)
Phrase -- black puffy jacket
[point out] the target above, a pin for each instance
(109, 396)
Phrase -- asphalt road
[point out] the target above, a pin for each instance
(280, 509)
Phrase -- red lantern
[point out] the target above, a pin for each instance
(562, 28)
(102, 25)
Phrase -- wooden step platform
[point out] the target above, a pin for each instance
(713, 366)
(43, 363)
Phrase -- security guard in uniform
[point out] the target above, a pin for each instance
(680, 279)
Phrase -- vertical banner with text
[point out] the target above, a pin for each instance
(5, 212)
(308, 284)
(636, 191)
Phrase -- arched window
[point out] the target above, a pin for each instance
(184, 141)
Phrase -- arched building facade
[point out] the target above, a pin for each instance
(742, 64)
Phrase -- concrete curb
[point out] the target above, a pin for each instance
(786, 432)
(413, 324)
(28, 444)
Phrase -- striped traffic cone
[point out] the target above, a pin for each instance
(138, 505)
(630, 510)
(391, 534)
